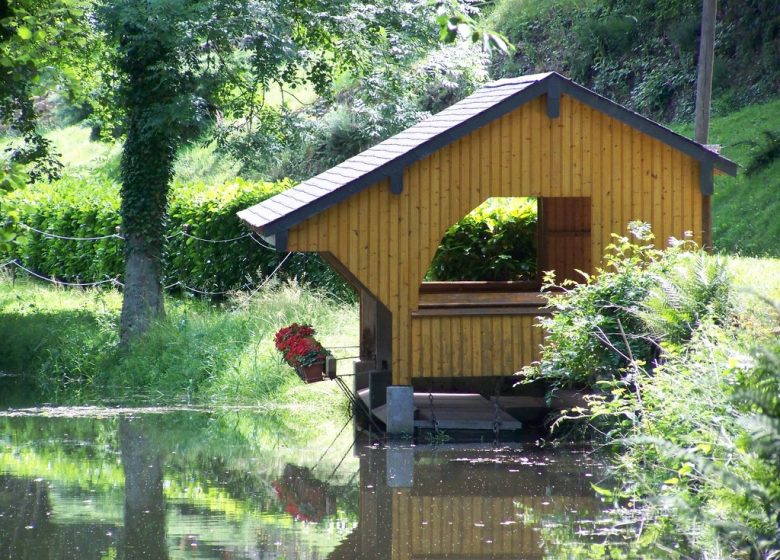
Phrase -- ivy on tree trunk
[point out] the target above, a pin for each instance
(179, 63)
(146, 169)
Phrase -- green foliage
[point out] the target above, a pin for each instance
(76, 207)
(756, 494)
(644, 53)
(495, 241)
(44, 45)
(62, 345)
(209, 212)
(414, 80)
(695, 288)
(765, 154)
(456, 22)
(698, 430)
(620, 322)
(70, 207)
(596, 333)
(753, 195)
(701, 447)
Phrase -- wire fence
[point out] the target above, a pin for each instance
(182, 232)
(116, 281)
(69, 238)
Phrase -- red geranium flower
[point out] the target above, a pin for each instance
(298, 346)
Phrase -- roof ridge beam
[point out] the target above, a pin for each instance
(553, 98)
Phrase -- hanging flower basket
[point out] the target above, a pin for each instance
(301, 351)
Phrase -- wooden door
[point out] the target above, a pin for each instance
(564, 237)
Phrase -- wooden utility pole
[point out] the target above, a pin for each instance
(703, 98)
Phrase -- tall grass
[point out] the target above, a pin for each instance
(60, 345)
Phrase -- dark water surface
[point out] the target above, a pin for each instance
(229, 484)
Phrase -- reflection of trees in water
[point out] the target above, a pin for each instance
(216, 464)
(144, 532)
(25, 509)
(28, 533)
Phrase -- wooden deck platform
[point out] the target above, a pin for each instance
(453, 411)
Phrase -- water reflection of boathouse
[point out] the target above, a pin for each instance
(458, 504)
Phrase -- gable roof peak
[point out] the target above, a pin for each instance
(490, 102)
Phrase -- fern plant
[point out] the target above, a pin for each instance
(696, 286)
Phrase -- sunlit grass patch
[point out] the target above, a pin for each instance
(61, 345)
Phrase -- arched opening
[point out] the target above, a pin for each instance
(498, 254)
(495, 242)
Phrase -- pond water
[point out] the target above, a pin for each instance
(242, 484)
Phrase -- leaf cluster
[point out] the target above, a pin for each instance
(44, 45)
(495, 241)
(643, 53)
(410, 81)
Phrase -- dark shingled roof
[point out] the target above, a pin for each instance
(389, 158)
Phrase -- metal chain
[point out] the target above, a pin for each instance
(69, 238)
(204, 240)
(433, 414)
(496, 421)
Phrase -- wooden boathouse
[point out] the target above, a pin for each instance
(379, 217)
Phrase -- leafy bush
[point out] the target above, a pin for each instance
(758, 395)
(695, 288)
(75, 207)
(696, 430)
(618, 322)
(495, 241)
(595, 332)
(70, 207)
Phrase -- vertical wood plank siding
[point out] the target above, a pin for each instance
(388, 240)
(564, 236)
(469, 345)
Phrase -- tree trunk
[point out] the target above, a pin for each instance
(142, 302)
(703, 99)
(147, 166)
(151, 96)
(144, 531)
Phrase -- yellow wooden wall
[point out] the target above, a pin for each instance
(469, 345)
(388, 240)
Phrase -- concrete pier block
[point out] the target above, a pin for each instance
(400, 410)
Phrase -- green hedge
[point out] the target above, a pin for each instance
(75, 207)
(495, 241)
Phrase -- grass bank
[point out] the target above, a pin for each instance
(745, 207)
(60, 345)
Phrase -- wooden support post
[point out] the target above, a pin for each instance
(375, 346)
(376, 338)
